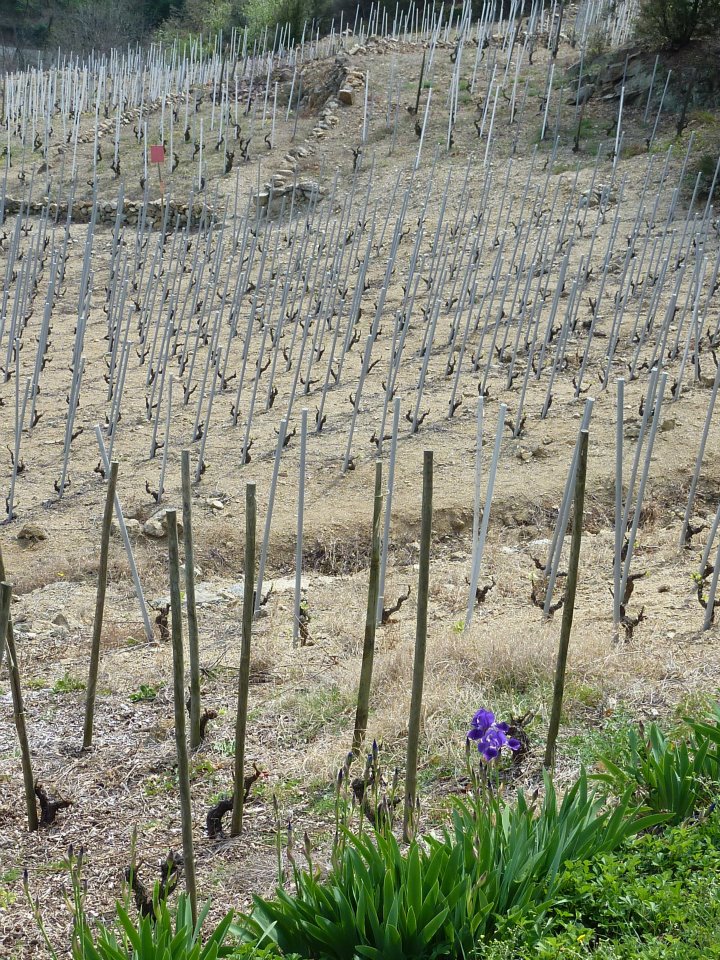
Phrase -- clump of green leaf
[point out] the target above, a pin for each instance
(68, 684)
(144, 692)
(161, 937)
(163, 933)
(657, 897)
(676, 777)
(654, 889)
(497, 867)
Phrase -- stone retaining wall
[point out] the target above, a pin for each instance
(107, 211)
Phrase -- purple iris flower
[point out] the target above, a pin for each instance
(481, 723)
(491, 736)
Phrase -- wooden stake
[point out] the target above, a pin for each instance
(244, 674)
(420, 646)
(18, 705)
(99, 607)
(420, 83)
(193, 639)
(5, 622)
(179, 698)
(300, 519)
(363, 699)
(569, 607)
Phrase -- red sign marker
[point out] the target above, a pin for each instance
(157, 154)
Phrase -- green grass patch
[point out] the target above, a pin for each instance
(316, 709)
(608, 737)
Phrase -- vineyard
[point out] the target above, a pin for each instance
(248, 287)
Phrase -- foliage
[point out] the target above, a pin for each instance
(262, 15)
(654, 898)
(706, 166)
(655, 887)
(676, 778)
(675, 22)
(145, 692)
(197, 19)
(596, 44)
(508, 879)
(165, 934)
(521, 849)
(496, 868)
(154, 938)
(68, 684)
(98, 25)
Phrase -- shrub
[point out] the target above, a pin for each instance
(675, 22)
(208, 17)
(261, 15)
(706, 167)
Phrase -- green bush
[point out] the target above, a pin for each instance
(262, 15)
(675, 22)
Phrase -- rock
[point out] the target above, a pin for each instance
(32, 532)
(156, 526)
(216, 504)
(583, 94)
(60, 620)
(345, 96)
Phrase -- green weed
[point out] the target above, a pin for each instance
(68, 684)
(144, 692)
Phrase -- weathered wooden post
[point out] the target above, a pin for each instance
(569, 607)
(363, 699)
(420, 647)
(99, 607)
(179, 699)
(244, 674)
